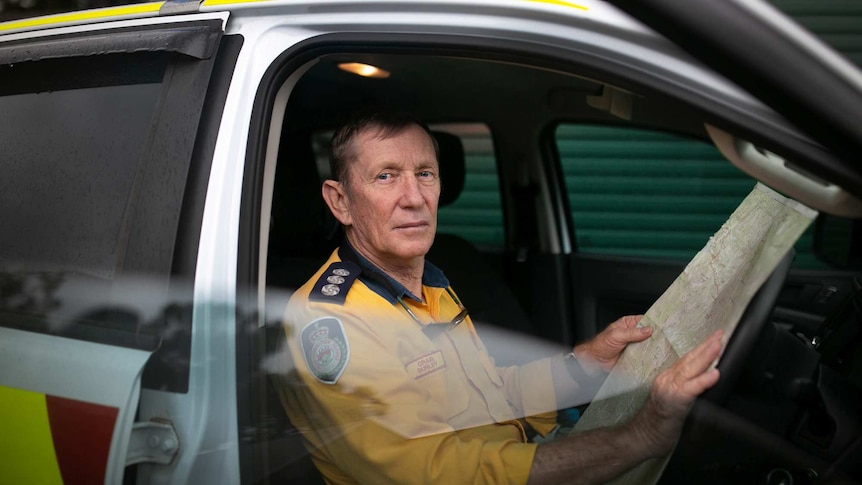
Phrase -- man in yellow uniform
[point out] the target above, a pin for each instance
(393, 384)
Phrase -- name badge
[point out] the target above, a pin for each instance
(426, 365)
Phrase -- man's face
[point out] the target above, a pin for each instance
(392, 195)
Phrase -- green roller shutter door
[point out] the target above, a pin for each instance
(646, 194)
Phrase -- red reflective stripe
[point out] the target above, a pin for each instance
(82, 438)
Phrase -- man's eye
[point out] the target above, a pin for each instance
(426, 174)
(384, 176)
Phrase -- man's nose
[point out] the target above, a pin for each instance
(411, 192)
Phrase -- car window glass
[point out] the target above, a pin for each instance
(77, 192)
(647, 194)
(66, 192)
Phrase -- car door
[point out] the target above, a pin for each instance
(102, 171)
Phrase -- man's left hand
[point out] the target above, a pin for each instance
(604, 349)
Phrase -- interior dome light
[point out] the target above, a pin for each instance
(364, 70)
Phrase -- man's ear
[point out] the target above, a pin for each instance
(335, 196)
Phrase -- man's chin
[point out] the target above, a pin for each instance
(416, 249)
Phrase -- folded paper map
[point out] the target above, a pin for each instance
(711, 293)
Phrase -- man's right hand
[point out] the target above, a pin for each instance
(599, 455)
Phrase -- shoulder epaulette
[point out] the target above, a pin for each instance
(335, 282)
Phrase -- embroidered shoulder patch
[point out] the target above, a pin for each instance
(325, 347)
(335, 282)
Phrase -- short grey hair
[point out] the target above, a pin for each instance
(386, 122)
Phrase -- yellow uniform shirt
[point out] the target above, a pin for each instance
(378, 400)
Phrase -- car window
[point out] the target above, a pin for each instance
(91, 203)
(72, 151)
(66, 192)
(647, 194)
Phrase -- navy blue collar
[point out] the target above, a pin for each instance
(383, 284)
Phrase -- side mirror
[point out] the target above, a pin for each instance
(838, 241)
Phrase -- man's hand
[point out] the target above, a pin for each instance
(604, 349)
(660, 420)
(599, 455)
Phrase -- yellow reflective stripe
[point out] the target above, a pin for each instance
(564, 3)
(27, 448)
(73, 17)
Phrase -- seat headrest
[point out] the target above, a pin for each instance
(452, 166)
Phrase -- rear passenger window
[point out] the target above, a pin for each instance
(630, 195)
(69, 165)
(91, 193)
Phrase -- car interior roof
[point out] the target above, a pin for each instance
(441, 88)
